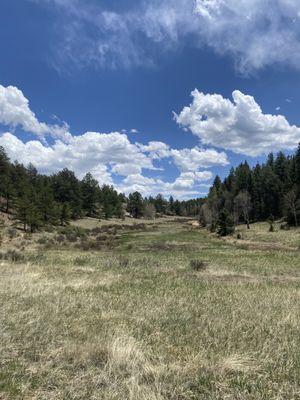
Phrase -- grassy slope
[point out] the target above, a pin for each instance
(78, 325)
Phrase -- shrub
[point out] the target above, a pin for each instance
(49, 228)
(88, 245)
(80, 261)
(71, 237)
(60, 238)
(27, 236)
(123, 262)
(36, 257)
(102, 237)
(72, 231)
(285, 227)
(12, 255)
(12, 233)
(42, 240)
(198, 265)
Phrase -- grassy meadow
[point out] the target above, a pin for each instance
(159, 311)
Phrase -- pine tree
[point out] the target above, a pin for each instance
(297, 168)
(27, 212)
(64, 214)
(90, 195)
(135, 205)
(225, 223)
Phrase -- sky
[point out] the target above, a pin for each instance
(148, 95)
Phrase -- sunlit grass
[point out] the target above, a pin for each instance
(137, 322)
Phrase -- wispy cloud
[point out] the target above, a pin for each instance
(255, 33)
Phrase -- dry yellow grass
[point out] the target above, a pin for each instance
(87, 325)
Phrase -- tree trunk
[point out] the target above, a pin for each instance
(295, 216)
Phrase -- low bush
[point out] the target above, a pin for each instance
(42, 240)
(59, 238)
(12, 255)
(71, 237)
(285, 227)
(103, 237)
(124, 262)
(72, 231)
(198, 265)
(12, 233)
(88, 245)
(36, 257)
(27, 236)
(81, 261)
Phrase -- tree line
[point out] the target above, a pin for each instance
(36, 200)
(266, 192)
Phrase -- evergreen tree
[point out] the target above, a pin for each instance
(64, 214)
(297, 168)
(27, 212)
(135, 205)
(160, 204)
(225, 223)
(90, 195)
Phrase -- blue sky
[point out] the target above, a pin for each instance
(94, 85)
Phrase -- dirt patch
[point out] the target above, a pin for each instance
(194, 224)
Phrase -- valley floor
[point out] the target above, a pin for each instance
(134, 320)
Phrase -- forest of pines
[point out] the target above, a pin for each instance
(266, 192)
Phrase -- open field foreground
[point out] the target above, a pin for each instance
(158, 312)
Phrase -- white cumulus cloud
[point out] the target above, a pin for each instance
(107, 156)
(92, 151)
(195, 158)
(15, 112)
(239, 125)
(185, 185)
(156, 150)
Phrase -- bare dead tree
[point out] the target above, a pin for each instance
(292, 205)
(243, 206)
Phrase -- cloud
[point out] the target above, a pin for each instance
(238, 125)
(156, 150)
(255, 33)
(185, 185)
(193, 159)
(95, 152)
(126, 169)
(110, 157)
(103, 155)
(15, 112)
